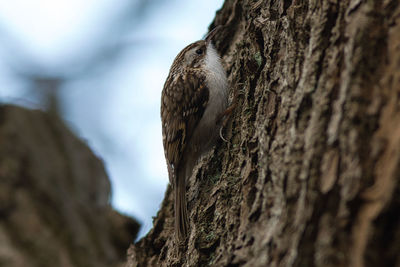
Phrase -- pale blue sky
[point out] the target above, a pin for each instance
(113, 104)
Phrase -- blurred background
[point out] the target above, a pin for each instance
(101, 65)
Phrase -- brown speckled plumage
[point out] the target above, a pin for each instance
(188, 130)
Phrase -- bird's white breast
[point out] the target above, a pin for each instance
(216, 83)
(207, 129)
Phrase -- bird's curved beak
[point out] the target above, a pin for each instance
(212, 33)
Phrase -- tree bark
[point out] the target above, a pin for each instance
(54, 197)
(310, 173)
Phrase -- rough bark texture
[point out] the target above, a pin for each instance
(54, 196)
(310, 175)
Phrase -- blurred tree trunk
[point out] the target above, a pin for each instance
(54, 197)
(310, 175)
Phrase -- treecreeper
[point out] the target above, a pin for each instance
(193, 103)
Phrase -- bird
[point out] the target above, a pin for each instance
(193, 101)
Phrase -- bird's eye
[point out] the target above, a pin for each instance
(199, 51)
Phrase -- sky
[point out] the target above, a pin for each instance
(113, 56)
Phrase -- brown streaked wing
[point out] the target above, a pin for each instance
(184, 114)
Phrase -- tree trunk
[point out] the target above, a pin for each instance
(310, 173)
(54, 197)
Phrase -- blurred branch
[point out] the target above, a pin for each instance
(45, 81)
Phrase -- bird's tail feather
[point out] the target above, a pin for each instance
(181, 216)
